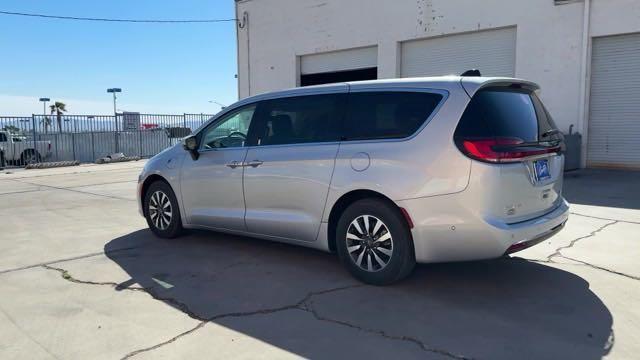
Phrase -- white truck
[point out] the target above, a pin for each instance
(21, 151)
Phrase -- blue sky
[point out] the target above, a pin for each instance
(162, 68)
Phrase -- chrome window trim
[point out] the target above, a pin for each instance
(293, 145)
(223, 149)
(445, 96)
(338, 88)
(333, 89)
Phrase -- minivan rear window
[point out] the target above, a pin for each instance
(503, 125)
(505, 113)
(500, 113)
(387, 115)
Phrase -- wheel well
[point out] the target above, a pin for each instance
(147, 182)
(344, 202)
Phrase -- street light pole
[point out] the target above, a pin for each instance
(44, 107)
(44, 112)
(115, 111)
(114, 91)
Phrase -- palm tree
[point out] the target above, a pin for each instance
(58, 107)
(46, 122)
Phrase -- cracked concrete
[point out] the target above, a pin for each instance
(304, 304)
(74, 321)
(576, 228)
(559, 250)
(81, 278)
(625, 239)
(622, 239)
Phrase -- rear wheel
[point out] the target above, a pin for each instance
(29, 157)
(161, 210)
(374, 242)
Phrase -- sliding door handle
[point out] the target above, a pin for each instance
(254, 163)
(234, 164)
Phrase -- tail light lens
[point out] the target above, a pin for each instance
(502, 150)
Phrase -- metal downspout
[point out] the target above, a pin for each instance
(584, 80)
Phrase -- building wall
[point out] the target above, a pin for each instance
(549, 47)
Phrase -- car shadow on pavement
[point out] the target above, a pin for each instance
(302, 301)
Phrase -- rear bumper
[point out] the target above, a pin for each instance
(444, 230)
(525, 244)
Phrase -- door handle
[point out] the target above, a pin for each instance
(234, 164)
(254, 163)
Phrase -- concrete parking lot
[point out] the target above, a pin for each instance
(81, 277)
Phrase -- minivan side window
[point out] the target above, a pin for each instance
(230, 131)
(387, 115)
(300, 119)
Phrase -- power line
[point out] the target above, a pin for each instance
(178, 21)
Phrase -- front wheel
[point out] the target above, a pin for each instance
(161, 210)
(374, 242)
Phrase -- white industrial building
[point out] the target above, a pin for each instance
(584, 54)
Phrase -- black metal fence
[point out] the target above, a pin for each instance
(85, 138)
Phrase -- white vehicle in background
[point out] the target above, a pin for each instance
(20, 150)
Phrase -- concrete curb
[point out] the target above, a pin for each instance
(53, 164)
(116, 160)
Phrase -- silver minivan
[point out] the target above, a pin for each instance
(384, 173)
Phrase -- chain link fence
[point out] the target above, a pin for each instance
(86, 138)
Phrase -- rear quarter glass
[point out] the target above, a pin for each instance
(387, 115)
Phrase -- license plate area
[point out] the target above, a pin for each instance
(541, 170)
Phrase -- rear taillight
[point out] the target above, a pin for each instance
(501, 150)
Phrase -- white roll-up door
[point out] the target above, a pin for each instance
(614, 114)
(493, 52)
(342, 60)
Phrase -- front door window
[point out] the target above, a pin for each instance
(229, 132)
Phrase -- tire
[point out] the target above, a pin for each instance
(385, 254)
(29, 157)
(165, 223)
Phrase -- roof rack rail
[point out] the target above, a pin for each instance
(472, 72)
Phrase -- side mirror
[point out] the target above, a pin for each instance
(190, 143)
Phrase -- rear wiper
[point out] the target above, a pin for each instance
(550, 132)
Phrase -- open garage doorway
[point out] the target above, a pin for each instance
(339, 66)
(339, 76)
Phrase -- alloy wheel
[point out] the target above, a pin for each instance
(160, 210)
(369, 243)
